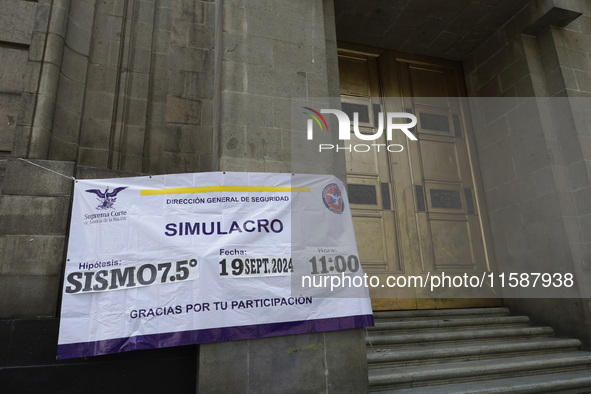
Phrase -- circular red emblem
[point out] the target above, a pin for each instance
(333, 199)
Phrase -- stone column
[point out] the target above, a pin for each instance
(533, 152)
(273, 51)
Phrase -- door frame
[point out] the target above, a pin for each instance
(403, 190)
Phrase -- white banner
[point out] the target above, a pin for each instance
(182, 259)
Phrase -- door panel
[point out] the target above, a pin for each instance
(418, 212)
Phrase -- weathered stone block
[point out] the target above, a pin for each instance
(179, 110)
(10, 106)
(62, 150)
(198, 85)
(550, 13)
(264, 143)
(161, 41)
(555, 82)
(235, 19)
(582, 201)
(66, 124)
(78, 37)
(241, 165)
(186, 59)
(58, 18)
(346, 361)
(583, 79)
(299, 57)
(495, 172)
(17, 19)
(526, 87)
(513, 73)
(93, 157)
(248, 49)
(102, 78)
(141, 58)
(31, 254)
(205, 162)
(196, 139)
(188, 11)
(134, 162)
(70, 94)
(136, 112)
(233, 141)
(516, 191)
(578, 176)
(26, 179)
(139, 85)
(135, 137)
(216, 374)
(179, 34)
(282, 112)
(233, 76)
(33, 215)
(74, 66)
(98, 105)
(287, 364)
(531, 159)
(294, 364)
(40, 138)
(84, 172)
(176, 83)
(206, 112)
(105, 52)
(31, 77)
(252, 110)
(201, 36)
(95, 133)
(28, 295)
(541, 208)
(14, 63)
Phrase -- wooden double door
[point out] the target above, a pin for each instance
(419, 211)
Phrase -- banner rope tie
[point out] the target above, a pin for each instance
(47, 169)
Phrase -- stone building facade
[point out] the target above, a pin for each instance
(110, 88)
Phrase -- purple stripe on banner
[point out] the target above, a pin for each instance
(154, 341)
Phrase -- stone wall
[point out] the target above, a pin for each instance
(122, 84)
(17, 22)
(121, 87)
(531, 152)
(273, 51)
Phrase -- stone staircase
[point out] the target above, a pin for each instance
(473, 350)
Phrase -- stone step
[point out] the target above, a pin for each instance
(426, 314)
(498, 368)
(442, 324)
(565, 382)
(383, 357)
(431, 337)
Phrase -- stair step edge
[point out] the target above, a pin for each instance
(436, 336)
(517, 385)
(439, 312)
(430, 372)
(418, 324)
(424, 353)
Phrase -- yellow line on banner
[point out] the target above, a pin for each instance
(227, 189)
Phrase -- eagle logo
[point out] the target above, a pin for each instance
(106, 198)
